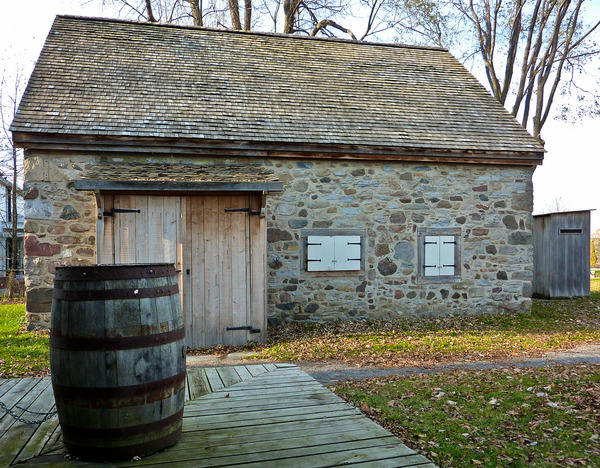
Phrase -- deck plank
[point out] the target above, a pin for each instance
(214, 379)
(257, 416)
(256, 369)
(228, 376)
(35, 445)
(20, 400)
(198, 383)
(243, 372)
(12, 439)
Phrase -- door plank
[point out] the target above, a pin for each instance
(211, 271)
(198, 310)
(239, 271)
(225, 270)
(187, 289)
(142, 226)
(258, 266)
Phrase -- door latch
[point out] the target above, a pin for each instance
(119, 210)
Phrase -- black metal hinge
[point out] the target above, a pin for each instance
(119, 210)
(245, 210)
(248, 327)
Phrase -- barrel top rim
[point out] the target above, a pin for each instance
(114, 265)
(119, 271)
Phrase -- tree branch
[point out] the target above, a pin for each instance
(325, 23)
(151, 18)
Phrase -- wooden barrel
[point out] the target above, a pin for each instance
(117, 357)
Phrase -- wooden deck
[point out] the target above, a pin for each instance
(255, 415)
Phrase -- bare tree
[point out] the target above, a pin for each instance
(10, 95)
(526, 46)
(308, 17)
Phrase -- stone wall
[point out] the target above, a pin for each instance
(60, 227)
(490, 204)
(389, 201)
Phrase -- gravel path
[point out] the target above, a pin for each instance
(331, 371)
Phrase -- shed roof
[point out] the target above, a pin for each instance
(558, 213)
(114, 78)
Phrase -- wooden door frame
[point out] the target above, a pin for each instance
(256, 243)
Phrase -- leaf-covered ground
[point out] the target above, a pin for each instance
(22, 353)
(552, 325)
(547, 417)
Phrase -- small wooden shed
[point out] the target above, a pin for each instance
(561, 252)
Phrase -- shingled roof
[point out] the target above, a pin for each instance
(117, 78)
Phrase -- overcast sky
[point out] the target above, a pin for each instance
(571, 169)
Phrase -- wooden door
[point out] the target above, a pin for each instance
(218, 247)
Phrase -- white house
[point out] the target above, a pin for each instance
(6, 217)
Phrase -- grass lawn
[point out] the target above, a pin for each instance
(546, 417)
(552, 325)
(595, 285)
(22, 353)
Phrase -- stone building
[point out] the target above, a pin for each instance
(288, 177)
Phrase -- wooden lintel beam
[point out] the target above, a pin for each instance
(175, 186)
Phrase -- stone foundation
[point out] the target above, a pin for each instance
(390, 201)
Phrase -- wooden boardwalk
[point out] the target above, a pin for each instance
(255, 415)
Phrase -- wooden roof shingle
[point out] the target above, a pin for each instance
(117, 78)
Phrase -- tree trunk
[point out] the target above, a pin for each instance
(151, 18)
(14, 257)
(196, 12)
(290, 8)
(248, 15)
(234, 10)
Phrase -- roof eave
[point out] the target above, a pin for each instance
(270, 149)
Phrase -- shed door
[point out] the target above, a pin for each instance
(218, 249)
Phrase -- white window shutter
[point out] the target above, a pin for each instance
(447, 249)
(347, 253)
(320, 253)
(432, 256)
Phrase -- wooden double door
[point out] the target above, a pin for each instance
(218, 245)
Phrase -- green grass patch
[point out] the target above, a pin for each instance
(552, 325)
(22, 353)
(595, 285)
(546, 417)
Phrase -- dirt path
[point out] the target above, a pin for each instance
(331, 371)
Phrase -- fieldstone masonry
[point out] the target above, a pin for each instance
(60, 227)
(390, 201)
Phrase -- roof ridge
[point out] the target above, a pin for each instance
(253, 33)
